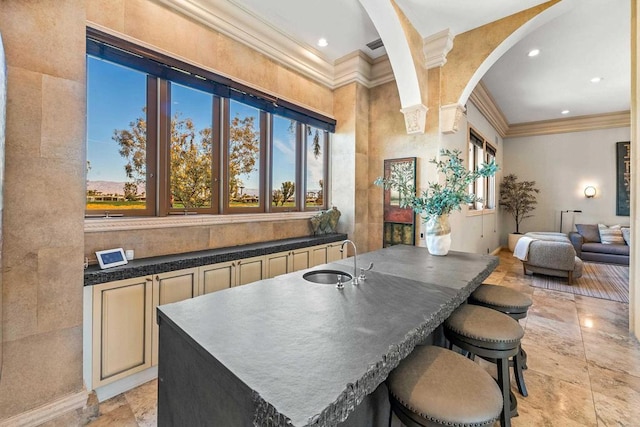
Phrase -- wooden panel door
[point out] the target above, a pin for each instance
(171, 287)
(333, 252)
(277, 264)
(216, 277)
(300, 259)
(250, 270)
(318, 255)
(121, 329)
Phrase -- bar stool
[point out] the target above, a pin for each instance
(434, 386)
(489, 334)
(514, 304)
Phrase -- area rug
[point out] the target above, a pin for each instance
(605, 281)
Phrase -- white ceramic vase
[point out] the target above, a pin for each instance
(438, 235)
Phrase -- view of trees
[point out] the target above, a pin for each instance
(279, 197)
(190, 158)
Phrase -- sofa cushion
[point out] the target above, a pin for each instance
(589, 232)
(610, 235)
(626, 235)
(606, 249)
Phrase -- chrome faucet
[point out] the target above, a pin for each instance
(355, 261)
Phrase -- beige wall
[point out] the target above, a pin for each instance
(162, 29)
(44, 198)
(44, 243)
(562, 165)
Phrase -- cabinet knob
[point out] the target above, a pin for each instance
(149, 279)
(157, 278)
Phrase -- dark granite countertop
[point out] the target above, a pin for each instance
(93, 275)
(310, 352)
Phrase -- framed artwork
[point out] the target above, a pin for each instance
(399, 223)
(623, 178)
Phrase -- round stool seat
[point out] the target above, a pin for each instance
(485, 327)
(508, 301)
(436, 386)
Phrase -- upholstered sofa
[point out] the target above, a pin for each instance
(590, 247)
(551, 254)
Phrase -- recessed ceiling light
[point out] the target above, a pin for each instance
(564, 112)
(596, 80)
(534, 52)
(323, 42)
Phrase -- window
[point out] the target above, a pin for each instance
(165, 137)
(315, 165)
(285, 154)
(117, 153)
(480, 151)
(243, 150)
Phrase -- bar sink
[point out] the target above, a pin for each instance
(327, 277)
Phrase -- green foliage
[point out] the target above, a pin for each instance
(518, 198)
(190, 158)
(279, 197)
(439, 199)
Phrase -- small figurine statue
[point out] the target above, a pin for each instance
(325, 222)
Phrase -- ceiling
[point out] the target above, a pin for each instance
(591, 39)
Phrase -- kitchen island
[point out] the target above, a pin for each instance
(284, 351)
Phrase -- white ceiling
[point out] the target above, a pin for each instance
(591, 39)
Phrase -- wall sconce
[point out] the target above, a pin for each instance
(589, 192)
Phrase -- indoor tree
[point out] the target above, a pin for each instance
(518, 198)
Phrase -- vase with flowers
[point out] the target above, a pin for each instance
(441, 198)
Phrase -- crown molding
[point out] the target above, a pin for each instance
(436, 47)
(482, 99)
(239, 24)
(234, 21)
(573, 124)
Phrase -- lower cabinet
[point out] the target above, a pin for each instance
(121, 329)
(124, 332)
(171, 287)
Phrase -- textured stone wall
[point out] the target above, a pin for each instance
(43, 202)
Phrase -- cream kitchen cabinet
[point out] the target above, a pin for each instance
(171, 287)
(299, 259)
(121, 338)
(224, 275)
(121, 329)
(333, 251)
(125, 332)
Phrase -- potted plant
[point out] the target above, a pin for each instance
(440, 199)
(518, 198)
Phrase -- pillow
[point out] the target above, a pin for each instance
(589, 232)
(611, 235)
(626, 235)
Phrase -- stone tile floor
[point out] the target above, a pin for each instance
(584, 367)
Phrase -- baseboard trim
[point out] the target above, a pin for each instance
(497, 250)
(48, 412)
(125, 384)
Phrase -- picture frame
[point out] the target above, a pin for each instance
(399, 223)
(623, 178)
(111, 258)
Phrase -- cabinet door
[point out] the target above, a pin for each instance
(250, 270)
(277, 264)
(216, 277)
(318, 255)
(333, 252)
(171, 287)
(300, 259)
(121, 329)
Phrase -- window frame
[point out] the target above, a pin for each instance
(298, 168)
(162, 71)
(477, 143)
